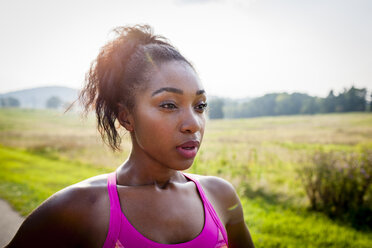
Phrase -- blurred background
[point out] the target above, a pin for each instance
(289, 85)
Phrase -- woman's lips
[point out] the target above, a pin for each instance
(188, 149)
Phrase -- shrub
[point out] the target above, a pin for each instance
(339, 184)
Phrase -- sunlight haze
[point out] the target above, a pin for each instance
(240, 48)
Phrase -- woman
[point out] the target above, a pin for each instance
(143, 83)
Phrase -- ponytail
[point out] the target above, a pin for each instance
(117, 73)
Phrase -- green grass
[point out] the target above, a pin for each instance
(275, 226)
(27, 179)
(43, 151)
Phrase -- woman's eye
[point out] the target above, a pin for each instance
(201, 107)
(168, 106)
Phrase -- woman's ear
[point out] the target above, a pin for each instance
(125, 118)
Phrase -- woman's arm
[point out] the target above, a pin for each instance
(236, 228)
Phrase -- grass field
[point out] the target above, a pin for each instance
(40, 152)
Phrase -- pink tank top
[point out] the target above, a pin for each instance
(122, 234)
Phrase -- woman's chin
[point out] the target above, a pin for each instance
(185, 165)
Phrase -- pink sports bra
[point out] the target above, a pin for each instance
(122, 234)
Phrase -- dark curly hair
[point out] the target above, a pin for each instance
(120, 69)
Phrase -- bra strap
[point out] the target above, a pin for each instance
(115, 210)
(209, 207)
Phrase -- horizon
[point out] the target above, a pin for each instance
(368, 96)
(239, 48)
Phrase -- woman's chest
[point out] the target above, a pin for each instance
(165, 216)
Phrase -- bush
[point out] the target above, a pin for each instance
(339, 184)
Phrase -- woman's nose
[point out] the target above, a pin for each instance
(191, 121)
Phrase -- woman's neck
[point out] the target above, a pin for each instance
(140, 170)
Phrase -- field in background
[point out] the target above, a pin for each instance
(44, 151)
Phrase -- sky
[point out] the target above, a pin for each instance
(240, 48)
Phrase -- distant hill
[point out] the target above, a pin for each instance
(37, 97)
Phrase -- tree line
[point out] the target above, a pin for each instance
(352, 99)
(9, 102)
(53, 102)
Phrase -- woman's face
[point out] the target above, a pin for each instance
(168, 117)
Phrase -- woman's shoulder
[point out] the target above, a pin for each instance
(218, 189)
(85, 193)
(228, 207)
(215, 185)
(82, 208)
(223, 198)
(81, 201)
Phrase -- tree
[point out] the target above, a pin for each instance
(310, 105)
(10, 102)
(265, 105)
(356, 99)
(216, 108)
(283, 104)
(351, 100)
(54, 102)
(329, 104)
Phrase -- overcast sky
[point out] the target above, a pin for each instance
(239, 47)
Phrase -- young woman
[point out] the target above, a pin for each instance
(144, 84)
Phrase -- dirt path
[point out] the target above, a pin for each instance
(9, 223)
